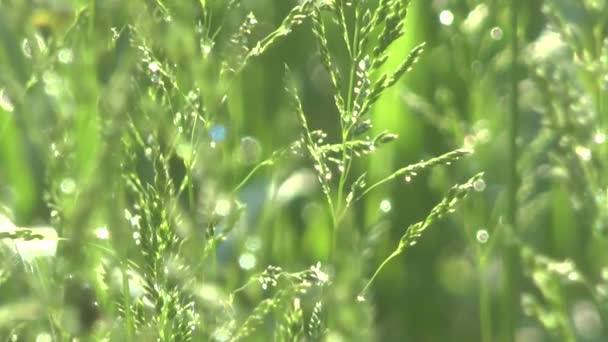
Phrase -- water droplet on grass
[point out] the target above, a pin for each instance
(222, 207)
(599, 138)
(65, 56)
(154, 67)
(583, 152)
(137, 238)
(385, 205)
(55, 150)
(247, 261)
(496, 33)
(68, 185)
(479, 185)
(446, 18)
(482, 236)
(102, 233)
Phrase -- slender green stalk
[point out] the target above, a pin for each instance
(345, 126)
(251, 173)
(384, 263)
(412, 170)
(510, 297)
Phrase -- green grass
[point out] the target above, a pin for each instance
(303, 170)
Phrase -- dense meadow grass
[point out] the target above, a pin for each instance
(311, 170)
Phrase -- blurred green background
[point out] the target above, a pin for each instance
(75, 78)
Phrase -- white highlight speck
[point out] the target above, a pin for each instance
(479, 185)
(68, 186)
(222, 207)
(102, 233)
(496, 33)
(446, 18)
(385, 205)
(247, 261)
(482, 236)
(65, 56)
(599, 138)
(153, 67)
(583, 152)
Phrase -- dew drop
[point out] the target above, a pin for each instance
(102, 233)
(496, 33)
(68, 185)
(206, 47)
(137, 238)
(482, 236)
(55, 150)
(408, 179)
(599, 138)
(574, 276)
(446, 17)
(177, 118)
(65, 56)
(153, 67)
(360, 298)
(479, 185)
(385, 205)
(222, 207)
(247, 261)
(583, 152)
(134, 221)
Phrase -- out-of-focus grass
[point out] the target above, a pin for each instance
(129, 128)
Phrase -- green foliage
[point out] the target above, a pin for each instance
(238, 170)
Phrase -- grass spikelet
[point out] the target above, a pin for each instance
(412, 234)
